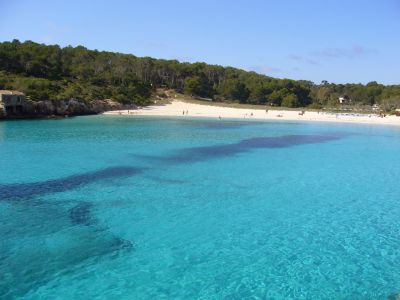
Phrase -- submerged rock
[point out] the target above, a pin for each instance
(120, 243)
(80, 214)
(395, 296)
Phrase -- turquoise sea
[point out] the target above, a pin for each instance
(105, 207)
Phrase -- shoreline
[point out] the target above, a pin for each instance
(189, 110)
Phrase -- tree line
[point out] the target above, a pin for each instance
(50, 72)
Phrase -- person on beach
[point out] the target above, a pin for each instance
(183, 113)
(219, 117)
(187, 112)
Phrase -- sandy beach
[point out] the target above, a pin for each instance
(183, 109)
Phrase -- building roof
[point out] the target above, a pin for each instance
(10, 92)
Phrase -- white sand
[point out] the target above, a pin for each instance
(176, 109)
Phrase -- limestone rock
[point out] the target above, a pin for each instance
(2, 110)
(75, 107)
(42, 108)
(72, 107)
(100, 106)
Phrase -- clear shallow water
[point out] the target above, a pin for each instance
(122, 208)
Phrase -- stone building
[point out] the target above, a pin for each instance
(12, 102)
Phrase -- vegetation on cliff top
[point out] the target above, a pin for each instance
(51, 72)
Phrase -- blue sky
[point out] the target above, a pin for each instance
(339, 41)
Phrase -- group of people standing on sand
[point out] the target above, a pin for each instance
(128, 113)
(250, 115)
(185, 112)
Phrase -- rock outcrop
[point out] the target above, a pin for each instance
(2, 110)
(99, 106)
(50, 108)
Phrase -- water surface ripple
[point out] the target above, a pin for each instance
(109, 207)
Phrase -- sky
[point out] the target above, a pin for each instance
(341, 41)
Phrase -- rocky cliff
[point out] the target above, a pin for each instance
(49, 108)
(2, 111)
